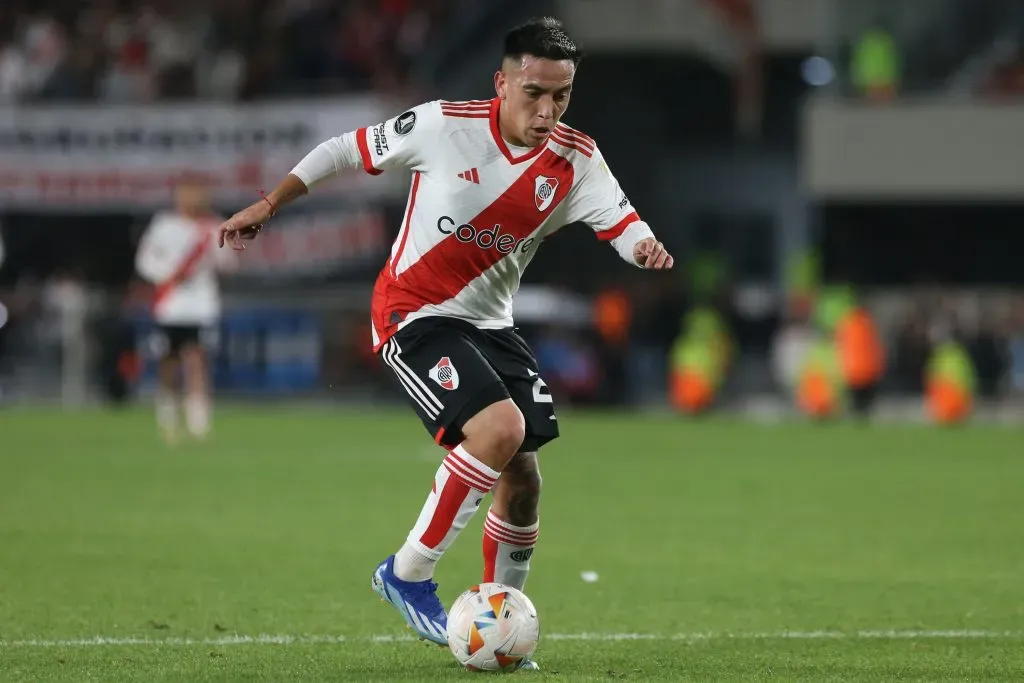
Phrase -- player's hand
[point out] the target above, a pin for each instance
(650, 254)
(244, 225)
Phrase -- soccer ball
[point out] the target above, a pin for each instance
(492, 627)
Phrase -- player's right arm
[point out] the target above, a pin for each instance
(400, 142)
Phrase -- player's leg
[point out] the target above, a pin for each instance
(512, 526)
(167, 377)
(467, 409)
(489, 440)
(197, 391)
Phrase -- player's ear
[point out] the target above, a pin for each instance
(500, 83)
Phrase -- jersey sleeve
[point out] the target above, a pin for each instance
(405, 141)
(599, 202)
(154, 258)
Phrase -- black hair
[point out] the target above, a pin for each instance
(544, 38)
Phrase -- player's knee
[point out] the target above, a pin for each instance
(498, 432)
(508, 432)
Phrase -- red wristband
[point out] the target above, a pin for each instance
(273, 209)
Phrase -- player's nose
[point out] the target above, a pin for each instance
(546, 108)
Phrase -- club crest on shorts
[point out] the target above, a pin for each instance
(544, 191)
(445, 374)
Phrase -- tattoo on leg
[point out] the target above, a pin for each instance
(525, 497)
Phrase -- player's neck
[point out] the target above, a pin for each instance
(504, 129)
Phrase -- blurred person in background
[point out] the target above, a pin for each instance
(612, 315)
(792, 344)
(699, 359)
(820, 391)
(951, 379)
(65, 307)
(862, 355)
(859, 351)
(875, 65)
(989, 352)
(177, 256)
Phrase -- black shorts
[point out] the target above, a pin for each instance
(451, 370)
(172, 338)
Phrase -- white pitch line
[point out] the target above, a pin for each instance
(269, 639)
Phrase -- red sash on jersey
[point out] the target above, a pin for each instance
(184, 269)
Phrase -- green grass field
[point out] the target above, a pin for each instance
(726, 551)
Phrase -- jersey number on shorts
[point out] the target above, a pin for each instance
(541, 394)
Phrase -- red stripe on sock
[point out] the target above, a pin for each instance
(490, 558)
(470, 475)
(475, 470)
(506, 528)
(501, 532)
(453, 495)
(466, 479)
(508, 540)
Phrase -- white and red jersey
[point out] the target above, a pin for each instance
(179, 255)
(478, 210)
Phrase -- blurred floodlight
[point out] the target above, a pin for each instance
(817, 71)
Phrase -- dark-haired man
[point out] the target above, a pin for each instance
(490, 180)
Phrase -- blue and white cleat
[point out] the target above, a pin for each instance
(528, 665)
(416, 601)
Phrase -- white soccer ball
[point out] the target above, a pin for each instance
(492, 627)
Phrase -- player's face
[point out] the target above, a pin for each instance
(193, 199)
(535, 94)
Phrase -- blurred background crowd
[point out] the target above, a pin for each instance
(843, 247)
(129, 51)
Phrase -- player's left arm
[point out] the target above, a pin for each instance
(600, 203)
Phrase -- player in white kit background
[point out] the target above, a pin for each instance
(491, 179)
(177, 254)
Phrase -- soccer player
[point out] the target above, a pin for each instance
(177, 254)
(490, 180)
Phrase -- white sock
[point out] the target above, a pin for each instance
(507, 550)
(197, 414)
(460, 484)
(412, 565)
(166, 411)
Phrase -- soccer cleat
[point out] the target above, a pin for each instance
(416, 601)
(528, 665)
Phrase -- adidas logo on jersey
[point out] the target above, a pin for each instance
(485, 238)
(471, 175)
